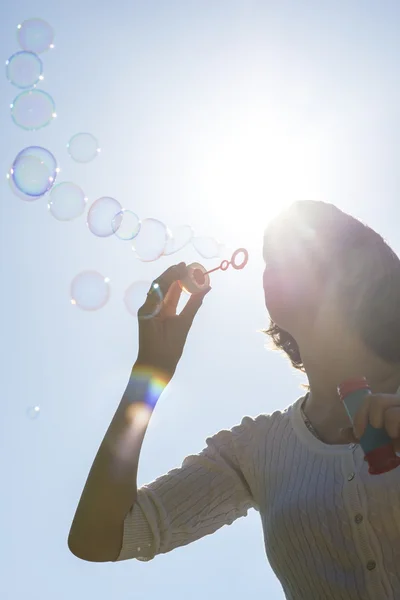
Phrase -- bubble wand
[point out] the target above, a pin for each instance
(197, 278)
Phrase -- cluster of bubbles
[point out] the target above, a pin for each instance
(151, 239)
(34, 172)
(32, 108)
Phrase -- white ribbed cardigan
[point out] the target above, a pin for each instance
(331, 530)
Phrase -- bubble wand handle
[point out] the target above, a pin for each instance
(376, 443)
(212, 270)
(226, 263)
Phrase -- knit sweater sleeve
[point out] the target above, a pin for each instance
(209, 490)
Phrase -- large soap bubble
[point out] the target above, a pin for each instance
(150, 242)
(179, 238)
(83, 147)
(35, 35)
(104, 216)
(126, 224)
(33, 110)
(67, 201)
(90, 290)
(24, 69)
(207, 247)
(34, 171)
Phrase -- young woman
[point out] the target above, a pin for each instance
(332, 530)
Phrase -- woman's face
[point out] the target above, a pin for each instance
(295, 259)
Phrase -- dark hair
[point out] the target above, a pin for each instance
(363, 273)
(282, 340)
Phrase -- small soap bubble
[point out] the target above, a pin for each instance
(33, 412)
(179, 238)
(102, 218)
(33, 110)
(136, 295)
(83, 147)
(207, 247)
(35, 35)
(34, 171)
(150, 242)
(90, 290)
(24, 69)
(126, 224)
(67, 201)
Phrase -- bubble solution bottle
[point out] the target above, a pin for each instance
(376, 443)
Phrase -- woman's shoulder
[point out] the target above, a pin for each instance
(254, 430)
(265, 421)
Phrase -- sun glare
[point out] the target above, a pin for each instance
(256, 171)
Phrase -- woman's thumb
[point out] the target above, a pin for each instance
(192, 306)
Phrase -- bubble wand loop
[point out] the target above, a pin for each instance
(198, 278)
(226, 263)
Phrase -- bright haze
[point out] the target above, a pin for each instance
(215, 114)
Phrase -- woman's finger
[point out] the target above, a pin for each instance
(171, 299)
(192, 306)
(172, 274)
(392, 422)
(379, 404)
(159, 289)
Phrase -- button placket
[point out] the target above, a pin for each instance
(353, 494)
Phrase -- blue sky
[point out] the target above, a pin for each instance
(212, 113)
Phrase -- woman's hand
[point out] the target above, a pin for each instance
(163, 333)
(382, 411)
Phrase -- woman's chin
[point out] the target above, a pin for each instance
(280, 315)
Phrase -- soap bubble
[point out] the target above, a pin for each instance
(67, 201)
(150, 242)
(102, 218)
(18, 192)
(180, 237)
(24, 69)
(34, 171)
(136, 295)
(83, 147)
(35, 35)
(90, 290)
(31, 175)
(126, 224)
(33, 110)
(33, 412)
(207, 247)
